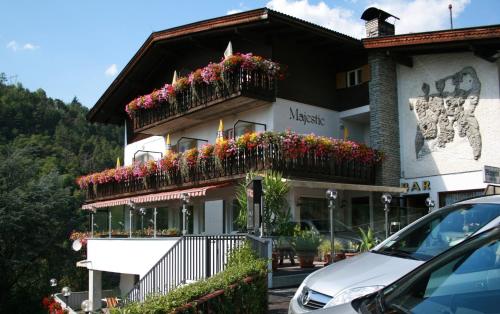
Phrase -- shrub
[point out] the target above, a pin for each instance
(239, 295)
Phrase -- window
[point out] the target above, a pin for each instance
(354, 77)
(144, 157)
(465, 282)
(186, 144)
(244, 128)
(440, 231)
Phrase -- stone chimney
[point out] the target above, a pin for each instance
(376, 24)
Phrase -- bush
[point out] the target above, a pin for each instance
(242, 297)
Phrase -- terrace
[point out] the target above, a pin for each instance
(295, 156)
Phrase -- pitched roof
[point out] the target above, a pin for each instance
(248, 17)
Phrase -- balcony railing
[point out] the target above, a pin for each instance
(207, 171)
(252, 84)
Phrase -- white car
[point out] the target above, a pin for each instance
(395, 257)
(463, 279)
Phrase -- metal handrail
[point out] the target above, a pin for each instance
(191, 258)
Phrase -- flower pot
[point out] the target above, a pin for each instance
(327, 258)
(338, 257)
(349, 255)
(306, 259)
(275, 260)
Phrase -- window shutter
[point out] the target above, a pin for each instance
(365, 73)
(341, 80)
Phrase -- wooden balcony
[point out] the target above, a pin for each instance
(210, 171)
(238, 92)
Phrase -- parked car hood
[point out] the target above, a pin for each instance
(366, 269)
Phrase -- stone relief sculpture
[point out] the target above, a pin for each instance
(449, 111)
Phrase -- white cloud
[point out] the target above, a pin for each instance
(15, 46)
(30, 46)
(12, 45)
(415, 15)
(233, 11)
(421, 15)
(337, 18)
(111, 70)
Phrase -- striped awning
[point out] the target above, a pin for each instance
(153, 198)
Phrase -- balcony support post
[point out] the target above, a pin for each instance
(92, 224)
(154, 222)
(130, 212)
(109, 222)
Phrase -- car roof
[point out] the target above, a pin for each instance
(482, 199)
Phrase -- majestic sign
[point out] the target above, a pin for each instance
(306, 118)
(449, 111)
(491, 175)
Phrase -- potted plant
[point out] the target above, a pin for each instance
(368, 240)
(306, 243)
(351, 250)
(325, 251)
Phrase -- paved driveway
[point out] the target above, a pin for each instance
(279, 299)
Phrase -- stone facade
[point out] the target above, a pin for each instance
(384, 122)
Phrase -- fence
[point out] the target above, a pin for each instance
(192, 258)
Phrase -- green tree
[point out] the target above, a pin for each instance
(44, 145)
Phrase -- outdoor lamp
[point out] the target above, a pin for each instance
(85, 306)
(386, 199)
(53, 282)
(331, 195)
(66, 292)
(185, 201)
(429, 202)
(142, 213)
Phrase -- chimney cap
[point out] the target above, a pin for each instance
(375, 13)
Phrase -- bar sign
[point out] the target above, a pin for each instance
(491, 175)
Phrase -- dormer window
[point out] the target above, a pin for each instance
(354, 77)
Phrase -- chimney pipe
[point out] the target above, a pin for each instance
(451, 15)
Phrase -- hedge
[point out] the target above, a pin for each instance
(240, 288)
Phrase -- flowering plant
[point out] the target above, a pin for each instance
(195, 77)
(206, 151)
(82, 236)
(212, 74)
(191, 157)
(53, 307)
(292, 145)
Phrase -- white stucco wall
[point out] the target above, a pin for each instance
(276, 116)
(457, 156)
(129, 256)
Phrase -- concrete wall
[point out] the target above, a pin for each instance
(130, 256)
(457, 156)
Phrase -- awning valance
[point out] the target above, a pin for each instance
(153, 198)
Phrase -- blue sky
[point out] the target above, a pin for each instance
(76, 48)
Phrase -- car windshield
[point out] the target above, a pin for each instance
(440, 231)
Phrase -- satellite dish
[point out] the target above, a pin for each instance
(77, 245)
